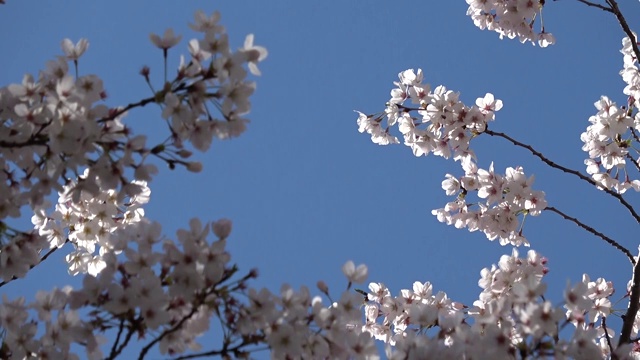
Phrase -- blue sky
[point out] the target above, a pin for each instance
(305, 190)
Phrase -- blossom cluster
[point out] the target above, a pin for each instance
(55, 128)
(506, 198)
(510, 318)
(167, 290)
(90, 222)
(610, 138)
(511, 19)
(56, 133)
(297, 325)
(444, 126)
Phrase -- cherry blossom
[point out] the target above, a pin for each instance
(167, 41)
(59, 137)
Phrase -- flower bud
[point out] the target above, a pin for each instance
(184, 153)
(194, 166)
(222, 228)
(323, 287)
(145, 71)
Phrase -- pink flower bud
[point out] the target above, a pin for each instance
(222, 228)
(323, 287)
(194, 166)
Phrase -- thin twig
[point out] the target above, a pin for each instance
(176, 327)
(590, 229)
(602, 7)
(637, 165)
(127, 338)
(222, 352)
(51, 251)
(123, 110)
(117, 340)
(634, 134)
(552, 164)
(614, 356)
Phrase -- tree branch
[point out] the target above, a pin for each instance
(552, 164)
(634, 296)
(633, 161)
(602, 7)
(625, 27)
(607, 239)
(629, 318)
(51, 251)
(236, 350)
(116, 341)
(606, 334)
(119, 112)
(173, 329)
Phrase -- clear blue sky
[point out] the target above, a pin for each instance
(305, 190)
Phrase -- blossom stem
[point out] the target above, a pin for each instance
(552, 164)
(165, 64)
(595, 232)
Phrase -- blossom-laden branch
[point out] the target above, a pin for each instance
(27, 249)
(554, 165)
(615, 9)
(632, 55)
(590, 229)
(511, 20)
(503, 199)
(55, 130)
(513, 292)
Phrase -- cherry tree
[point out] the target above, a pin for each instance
(512, 317)
(58, 136)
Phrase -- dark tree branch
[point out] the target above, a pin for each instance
(602, 7)
(606, 334)
(127, 338)
(235, 350)
(607, 239)
(51, 251)
(113, 353)
(625, 27)
(33, 141)
(173, 329)
(634, 296)
(119, 112)
(629, 318)
(552, 164)
(633, 161)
